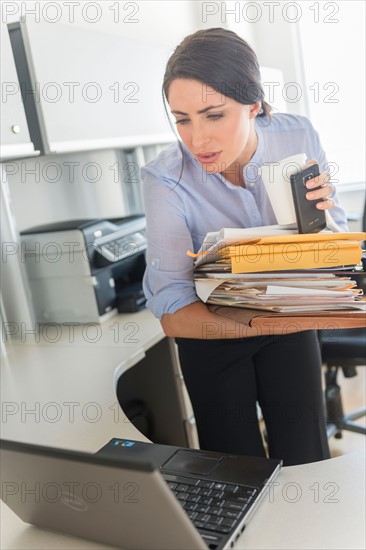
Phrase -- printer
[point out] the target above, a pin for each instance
(85, 270)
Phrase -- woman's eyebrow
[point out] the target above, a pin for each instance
(200, 111)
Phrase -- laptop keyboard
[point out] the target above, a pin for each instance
(211, 505)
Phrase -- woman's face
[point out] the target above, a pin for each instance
(217, 130)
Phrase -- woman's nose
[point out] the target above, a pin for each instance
(199, 138)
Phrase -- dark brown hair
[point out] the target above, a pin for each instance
(222, 60)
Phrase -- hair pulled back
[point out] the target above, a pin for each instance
(219, 58)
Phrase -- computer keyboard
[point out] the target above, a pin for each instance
(212, 505)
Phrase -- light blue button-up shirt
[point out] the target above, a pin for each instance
(183, 205)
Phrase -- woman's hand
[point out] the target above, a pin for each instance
(323, 192)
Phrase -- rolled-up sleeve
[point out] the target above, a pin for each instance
(168, 280)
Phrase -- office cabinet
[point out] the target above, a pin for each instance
(15, 141)
(91, 90)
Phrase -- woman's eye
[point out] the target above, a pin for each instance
(182, 121)
(215, 116)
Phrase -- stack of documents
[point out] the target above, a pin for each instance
(280, 272)
(284, 292)
(250, 251)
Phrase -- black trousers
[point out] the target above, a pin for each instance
(226, 378)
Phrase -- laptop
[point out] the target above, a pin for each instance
(136, 495)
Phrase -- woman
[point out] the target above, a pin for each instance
(209, 181)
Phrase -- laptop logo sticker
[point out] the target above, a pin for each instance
(120, 443)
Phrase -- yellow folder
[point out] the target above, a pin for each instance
(294, 252)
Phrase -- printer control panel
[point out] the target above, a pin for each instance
(116, 249)
(120, 242)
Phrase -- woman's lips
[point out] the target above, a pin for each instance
(209, 157)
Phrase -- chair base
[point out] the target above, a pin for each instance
(336, 419)
(335, 427)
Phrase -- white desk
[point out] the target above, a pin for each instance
(292, 519)
(71, 386)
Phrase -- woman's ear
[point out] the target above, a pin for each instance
(255, 109)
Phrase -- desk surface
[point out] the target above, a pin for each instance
(63, 394)
(315, 506)
(59, 388)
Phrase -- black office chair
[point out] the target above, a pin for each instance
(343, 349)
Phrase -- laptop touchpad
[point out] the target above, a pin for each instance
(189, 462)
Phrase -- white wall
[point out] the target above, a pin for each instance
(159, 21)
(337, 87)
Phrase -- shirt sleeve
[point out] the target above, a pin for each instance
(317, 153)
(168, 280)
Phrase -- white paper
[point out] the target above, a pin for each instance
(279, 275)
(233, 235)
(205, 287)
(286, 290)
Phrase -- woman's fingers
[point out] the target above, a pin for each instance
(322, 179)
(321, 190)
(325, 204)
